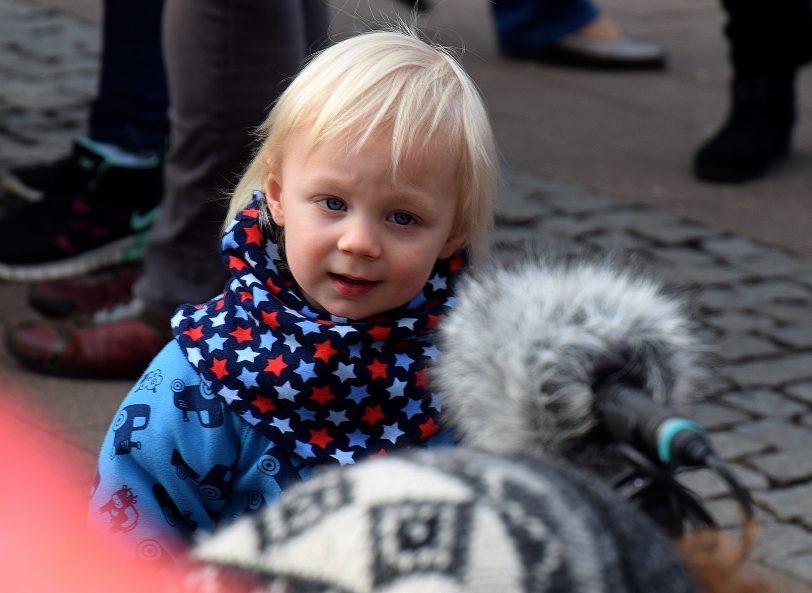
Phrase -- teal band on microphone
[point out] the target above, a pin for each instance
(667, 432)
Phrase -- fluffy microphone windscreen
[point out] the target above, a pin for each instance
(520, 350)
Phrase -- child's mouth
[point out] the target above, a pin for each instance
(353, 287)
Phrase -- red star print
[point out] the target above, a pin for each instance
(195, 333)
(433, 321)
(270, 320)
(379, 333)
(272, 287)
(379, 453)
(236, 263)
(264, 404)
(253, 235)
(219, 368)
(456, 264)
(428, 428)
(422, 378)
(276, 365)
(320, 438)
(241, 334)
(372, 415)
(245, 295)
(378, 369)
(322, 394)
(324, 351)
(325, 322)
(251, 212)
(219, 305)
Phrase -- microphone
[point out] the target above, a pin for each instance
(586, 362)
(530, 353)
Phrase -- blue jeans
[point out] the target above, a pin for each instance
(130, 109)
(536, 23)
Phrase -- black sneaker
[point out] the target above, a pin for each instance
(90, 214)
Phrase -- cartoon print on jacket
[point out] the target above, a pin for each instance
(122, 515)
(129, 420)
(213, 486)
(150, 381)
(173, 515)
(199, 399)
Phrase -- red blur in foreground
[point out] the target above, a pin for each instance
(45, 544)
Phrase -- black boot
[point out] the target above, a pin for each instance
(756, 134)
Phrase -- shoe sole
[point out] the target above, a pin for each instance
(127, 250)
(567, 58)
(13, 187)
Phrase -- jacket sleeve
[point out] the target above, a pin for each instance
(167, 462)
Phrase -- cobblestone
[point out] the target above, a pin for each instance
(765, 403)
(787, 467)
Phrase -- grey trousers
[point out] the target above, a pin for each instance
(226, 62)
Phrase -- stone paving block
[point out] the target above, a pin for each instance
(801, 391)
(714, 416)
(710, 275)
(773, 262)
(736, 347)
(741, 322)
(785, 468)
(621, 242)
(731, 445)
(799, 565)
(792, 504)
(789, 368)
(766, 291)
(796, 337)
(790, 315)
(715, 298)
(733, 247)
(765, 403)
(780, 435)
(562, 197)
(780, 541)
(710, 486)
(726, 512)
(674, 231)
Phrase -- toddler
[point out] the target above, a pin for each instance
(347, 233)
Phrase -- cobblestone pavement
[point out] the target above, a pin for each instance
(754, 301)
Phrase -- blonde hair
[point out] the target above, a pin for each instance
(392, 82)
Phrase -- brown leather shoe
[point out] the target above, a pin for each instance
(119, 344)
(59, 299)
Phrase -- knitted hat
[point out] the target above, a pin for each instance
(444, 521)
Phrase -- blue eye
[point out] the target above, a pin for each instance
(402, 218)
(333, 204)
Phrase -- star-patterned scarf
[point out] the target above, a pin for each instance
(323, 387)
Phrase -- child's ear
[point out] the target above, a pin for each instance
(273, 195)
(454, 242)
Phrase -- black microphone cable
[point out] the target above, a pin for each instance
(659, 442)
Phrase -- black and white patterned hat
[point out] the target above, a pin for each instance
(444, 521)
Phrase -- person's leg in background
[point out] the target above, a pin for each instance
(568, 32)
(226, 63)
(768, 44)
(85, 203)
(223, 79)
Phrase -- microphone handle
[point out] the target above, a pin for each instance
(631, 416)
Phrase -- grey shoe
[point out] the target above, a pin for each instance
(576, 50)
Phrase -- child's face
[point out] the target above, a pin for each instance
(357, 242)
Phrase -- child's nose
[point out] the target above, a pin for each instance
(360, 238)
